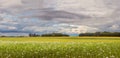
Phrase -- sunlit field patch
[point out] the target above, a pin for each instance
(60, 47)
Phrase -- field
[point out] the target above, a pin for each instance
(60, 47)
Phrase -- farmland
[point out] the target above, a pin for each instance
(60, 47)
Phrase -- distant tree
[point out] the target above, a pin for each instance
(2, 36)
(33, 35)
(101, 34)
(54, 35)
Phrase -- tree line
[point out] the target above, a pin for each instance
(99, 34)
(49, 35)
(110, 34)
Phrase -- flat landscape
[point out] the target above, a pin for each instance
(60, 47)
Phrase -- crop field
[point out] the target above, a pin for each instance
(59, 47)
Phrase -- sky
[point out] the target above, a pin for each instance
(21, 17)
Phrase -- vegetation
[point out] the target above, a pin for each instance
(96, 34)
(54, 35)
(33, 35)
(49, 35)
(110, 34)
(60, 47)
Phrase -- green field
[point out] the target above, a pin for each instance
(60, 47)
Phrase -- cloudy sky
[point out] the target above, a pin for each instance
(20, 17)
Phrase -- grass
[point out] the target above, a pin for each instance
(60, 47)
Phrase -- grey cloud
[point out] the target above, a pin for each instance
(53, 14)
(104, 16)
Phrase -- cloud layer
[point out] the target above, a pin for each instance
(44, 16)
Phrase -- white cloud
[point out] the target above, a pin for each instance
(38, 28)
(68, 28)
(115, 27)
(92, 7)
(10, 3)
(5, 27)
(12, 28)
(13, 34)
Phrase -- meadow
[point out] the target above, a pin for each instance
(59, 47)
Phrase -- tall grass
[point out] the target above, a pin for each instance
(59, 48)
